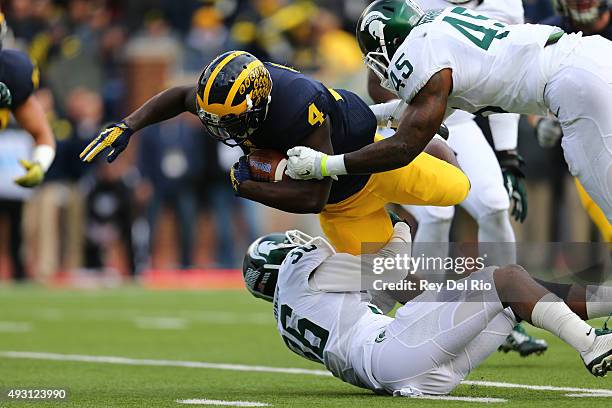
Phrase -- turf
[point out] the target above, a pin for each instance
(217, 327)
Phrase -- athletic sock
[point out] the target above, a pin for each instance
(553, 315)
(598, 301)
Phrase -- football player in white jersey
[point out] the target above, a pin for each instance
(435, 340)
(492, 190)
(441, 61)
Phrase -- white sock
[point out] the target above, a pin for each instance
(598, 301)
(551, 314)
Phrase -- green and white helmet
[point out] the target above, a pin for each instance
(381, 29)
(263, 260)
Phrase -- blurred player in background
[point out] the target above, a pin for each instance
(435, 340)
(18, 80)
(591, 17)
(244, 102)
(493, 188)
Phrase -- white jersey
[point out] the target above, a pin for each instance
(496, 68)
(329, 328)
(507, 11)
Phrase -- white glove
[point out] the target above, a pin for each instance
(548, 131)
(388, 114)
(305, 163)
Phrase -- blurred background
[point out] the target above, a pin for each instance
(165, 210)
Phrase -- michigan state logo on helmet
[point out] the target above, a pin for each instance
(233, 96)
(381, 29)
(263, 259)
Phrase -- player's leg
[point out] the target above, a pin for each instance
(425, 181)
(533, 303)
(487, 201)
(433, 234)
(429, 332)
(581, 96)
(348, 230)
(595, 213)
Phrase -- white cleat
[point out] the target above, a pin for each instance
(598, 359)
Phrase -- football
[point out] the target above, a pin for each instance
(267, 165)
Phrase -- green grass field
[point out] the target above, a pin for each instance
(223, 328)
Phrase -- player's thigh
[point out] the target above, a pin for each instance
(432, 330)
(425, 181)
(347, 234)
(426, 214)
(477, 159)
(582, 99)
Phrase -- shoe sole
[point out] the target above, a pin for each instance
(601, 369)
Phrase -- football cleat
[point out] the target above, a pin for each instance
(598, 359)
(524, 344)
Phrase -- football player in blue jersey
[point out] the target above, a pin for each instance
(245, 102)
(18, 81)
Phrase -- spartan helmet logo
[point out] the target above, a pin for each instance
(374, 23)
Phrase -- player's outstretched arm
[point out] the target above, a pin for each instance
(418, 125)
(161, 107)
(420, 122)
(32, 118)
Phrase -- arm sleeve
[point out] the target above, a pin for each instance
(504, 130)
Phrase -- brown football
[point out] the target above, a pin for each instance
(267, 165)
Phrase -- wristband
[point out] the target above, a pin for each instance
(43, 155)
(333, 166)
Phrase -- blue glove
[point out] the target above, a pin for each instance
(115, 136)
(240, 173)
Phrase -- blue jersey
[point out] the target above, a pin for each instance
(20, 76)
(299, 106)
(565, 24)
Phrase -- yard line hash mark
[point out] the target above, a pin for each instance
(223, 403)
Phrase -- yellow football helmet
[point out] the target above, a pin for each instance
(233, 96)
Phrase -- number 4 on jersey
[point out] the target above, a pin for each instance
(315, 116)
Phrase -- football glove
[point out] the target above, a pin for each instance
(239, 173)
(34, 174)
(514, 181)
(6, 98)
(548, 131)
(305, 163)
(115, 136)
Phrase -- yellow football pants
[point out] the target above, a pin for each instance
(595, 213)
(362, 218)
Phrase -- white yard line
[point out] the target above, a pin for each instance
(595, 392)
(15, 327)
(160, 323)
(538, 387)
(158, 363)
(224, 403)
(464, 399)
